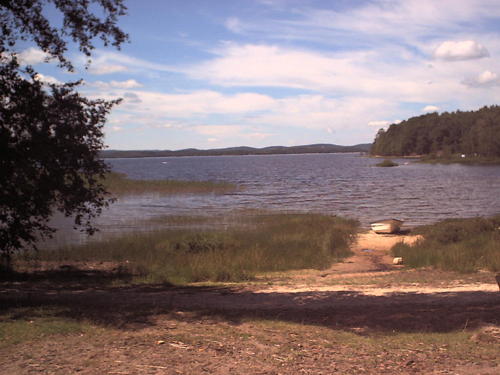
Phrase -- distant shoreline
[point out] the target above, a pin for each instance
(234, 151)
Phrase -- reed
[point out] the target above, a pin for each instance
(463, 245)
(120, 184)
(272, 242)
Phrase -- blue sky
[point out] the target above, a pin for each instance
(217, 73)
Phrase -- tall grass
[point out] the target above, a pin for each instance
(120, 184)
(273, 242)
(463, 245)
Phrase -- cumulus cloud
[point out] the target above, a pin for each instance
(485, 79)
(430, 108)
(32, 56)
(460, 50)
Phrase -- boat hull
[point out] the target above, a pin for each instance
(386, 226)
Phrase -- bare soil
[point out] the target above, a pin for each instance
(363, 316)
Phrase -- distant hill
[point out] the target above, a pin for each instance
(462, 132)
(306, 149)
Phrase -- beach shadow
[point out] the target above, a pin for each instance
(66, 276)
(137, 307)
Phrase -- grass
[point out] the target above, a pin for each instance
(119, 184)
(463, 245)
(270, 242)
(21, 325)
(387, 163)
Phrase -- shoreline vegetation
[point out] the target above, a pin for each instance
(119, 184)
(461, 245)
(441, 159)
(387, 163)
(459, 159)
(206, 249)
(262, 243)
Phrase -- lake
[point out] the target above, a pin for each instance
(336, 184)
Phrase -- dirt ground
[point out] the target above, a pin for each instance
(362, 316)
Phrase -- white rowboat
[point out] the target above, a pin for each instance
(386, 226)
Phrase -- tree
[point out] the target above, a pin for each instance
(50, 135)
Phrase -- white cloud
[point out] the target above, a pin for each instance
(460, 50)
(116, 128)
(128, 84)
(485, 79)
(32, 56)
(430, 108)
(360, 73)
(47, 79)
(102, 68)
(197, 103)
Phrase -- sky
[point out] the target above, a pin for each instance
(223, 73)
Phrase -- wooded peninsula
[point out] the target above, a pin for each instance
(468, 134)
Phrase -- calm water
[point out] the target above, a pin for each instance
(340, 184)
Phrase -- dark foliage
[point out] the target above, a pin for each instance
(50, 136)
(25, 20)
(387, 163)
(471, 133)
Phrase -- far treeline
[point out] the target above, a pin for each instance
(306, 149)
(474, 133)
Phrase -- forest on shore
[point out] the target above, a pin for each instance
(243, 150)
(472, 133)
